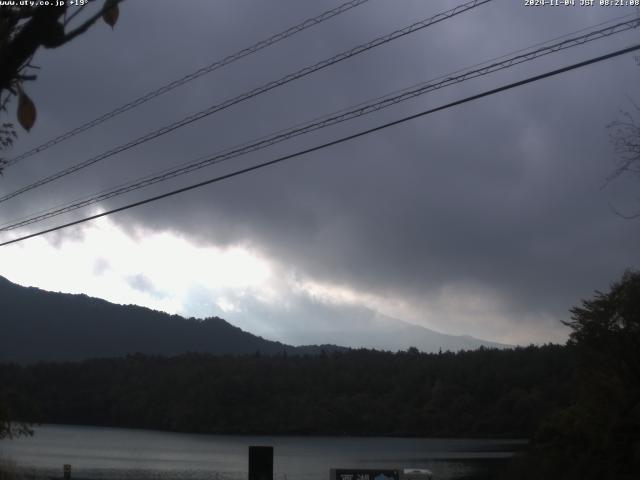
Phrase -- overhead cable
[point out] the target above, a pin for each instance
(332, 143)
(252, 93)
(310, 22)
(323, 122)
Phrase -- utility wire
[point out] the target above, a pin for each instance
(257, 91)
(339, 117)
(335, 142)
(310, 22)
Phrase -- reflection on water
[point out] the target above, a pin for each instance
(111, 453)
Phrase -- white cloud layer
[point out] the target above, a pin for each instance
(168, 272)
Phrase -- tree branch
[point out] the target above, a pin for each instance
(90, 21)
(622, 215)
(74, 14)
(43, 28)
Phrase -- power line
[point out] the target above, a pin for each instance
(323, 122)
(310, 22)
(257, 91)
(357, 111)
(334, 142)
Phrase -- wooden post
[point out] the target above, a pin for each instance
(260, 463)
(66, 471)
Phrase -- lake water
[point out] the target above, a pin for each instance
(116, 453)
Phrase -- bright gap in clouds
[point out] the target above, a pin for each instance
(157, 270)
(168, 272)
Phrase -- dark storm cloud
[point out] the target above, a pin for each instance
(504, 193)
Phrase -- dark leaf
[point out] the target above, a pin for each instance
(110, 15)
(26, 111)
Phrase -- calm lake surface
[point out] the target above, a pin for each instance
(116, 453)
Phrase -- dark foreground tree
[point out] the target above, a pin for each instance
(624, 134)
(608, 328)
(598, 436)
(23, 30)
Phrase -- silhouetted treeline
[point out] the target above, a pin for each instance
(359, 392)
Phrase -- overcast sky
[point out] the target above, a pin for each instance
(491, 219)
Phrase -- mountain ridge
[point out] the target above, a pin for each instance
(40, 325)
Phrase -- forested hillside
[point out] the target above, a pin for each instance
(38, 325)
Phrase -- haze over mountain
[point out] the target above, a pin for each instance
(46, 326)
(367, 328)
